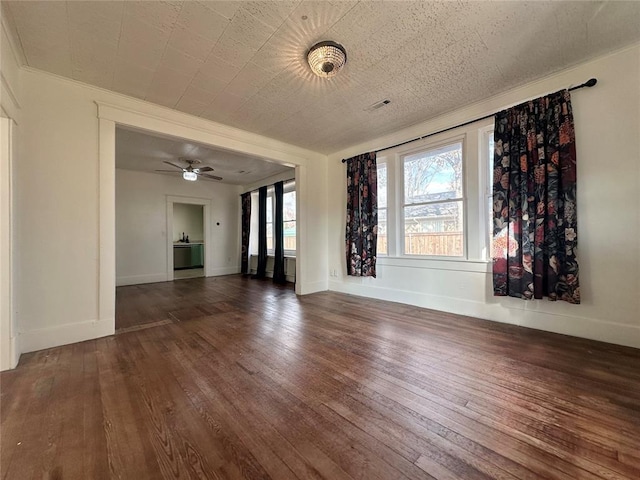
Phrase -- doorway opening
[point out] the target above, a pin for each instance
(188, 229)
(188, 241)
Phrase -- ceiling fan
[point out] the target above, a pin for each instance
(189, 172)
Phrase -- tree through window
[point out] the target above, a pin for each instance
(433, 202)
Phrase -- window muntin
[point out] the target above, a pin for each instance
(433, 208)
(382, 245)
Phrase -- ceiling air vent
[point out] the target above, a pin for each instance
(377, 105)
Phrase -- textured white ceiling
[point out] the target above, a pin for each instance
(242, 63)
(136, 150)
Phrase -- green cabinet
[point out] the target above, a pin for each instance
(197, 256)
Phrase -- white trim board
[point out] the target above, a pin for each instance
(140, 279)
(65, 334)
(8, 344)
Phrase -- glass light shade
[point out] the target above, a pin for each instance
(191, 176)
(327, 58)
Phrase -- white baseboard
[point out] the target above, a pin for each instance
(9, 359)
(577, 326)
(140, 279)
(15, 351)
(216, 272)
(312, 287)
(65, 334)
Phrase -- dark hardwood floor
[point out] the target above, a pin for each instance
(229, 377)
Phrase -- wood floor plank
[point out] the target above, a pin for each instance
(230, 378)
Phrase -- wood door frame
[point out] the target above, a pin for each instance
(206, 227)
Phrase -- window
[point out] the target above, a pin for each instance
(289, 221)
(434, 197)
(382, 247)
(434, 202)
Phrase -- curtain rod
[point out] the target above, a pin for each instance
(283, 181)
(589, 83)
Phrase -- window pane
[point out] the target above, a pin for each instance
(289, 206)
(269, 209)
(433, 175)
(382, 232)
(382, 185)
(269, 236)
(435, 229)
(290, 235)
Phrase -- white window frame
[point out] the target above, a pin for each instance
(434, 145)
(475, 183)
(485, 164)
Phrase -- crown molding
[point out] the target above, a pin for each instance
(13, 37)
(6, 87)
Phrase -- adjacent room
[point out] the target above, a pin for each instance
(319, 239)
(173, 226)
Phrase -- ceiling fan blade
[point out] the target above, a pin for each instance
(167, 171)
(205, 169)
(173, 165)
(212, 177)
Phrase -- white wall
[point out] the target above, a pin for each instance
(607, 120)
(187, 220)
(65, 230)
(141, 224)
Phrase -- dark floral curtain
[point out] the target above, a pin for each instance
(535, 232)
(278, 233)
(246, 229)
(362, 215)
(262, 233)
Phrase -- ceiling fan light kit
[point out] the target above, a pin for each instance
(189, 173)
(327, 58)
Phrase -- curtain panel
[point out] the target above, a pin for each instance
(278, 233)
(535, 233)
(362, 215)
(262, 233)
(246, 230)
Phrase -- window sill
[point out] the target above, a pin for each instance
(454, 264)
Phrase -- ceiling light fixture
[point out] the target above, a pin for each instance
(327, 58)
(191, 176)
